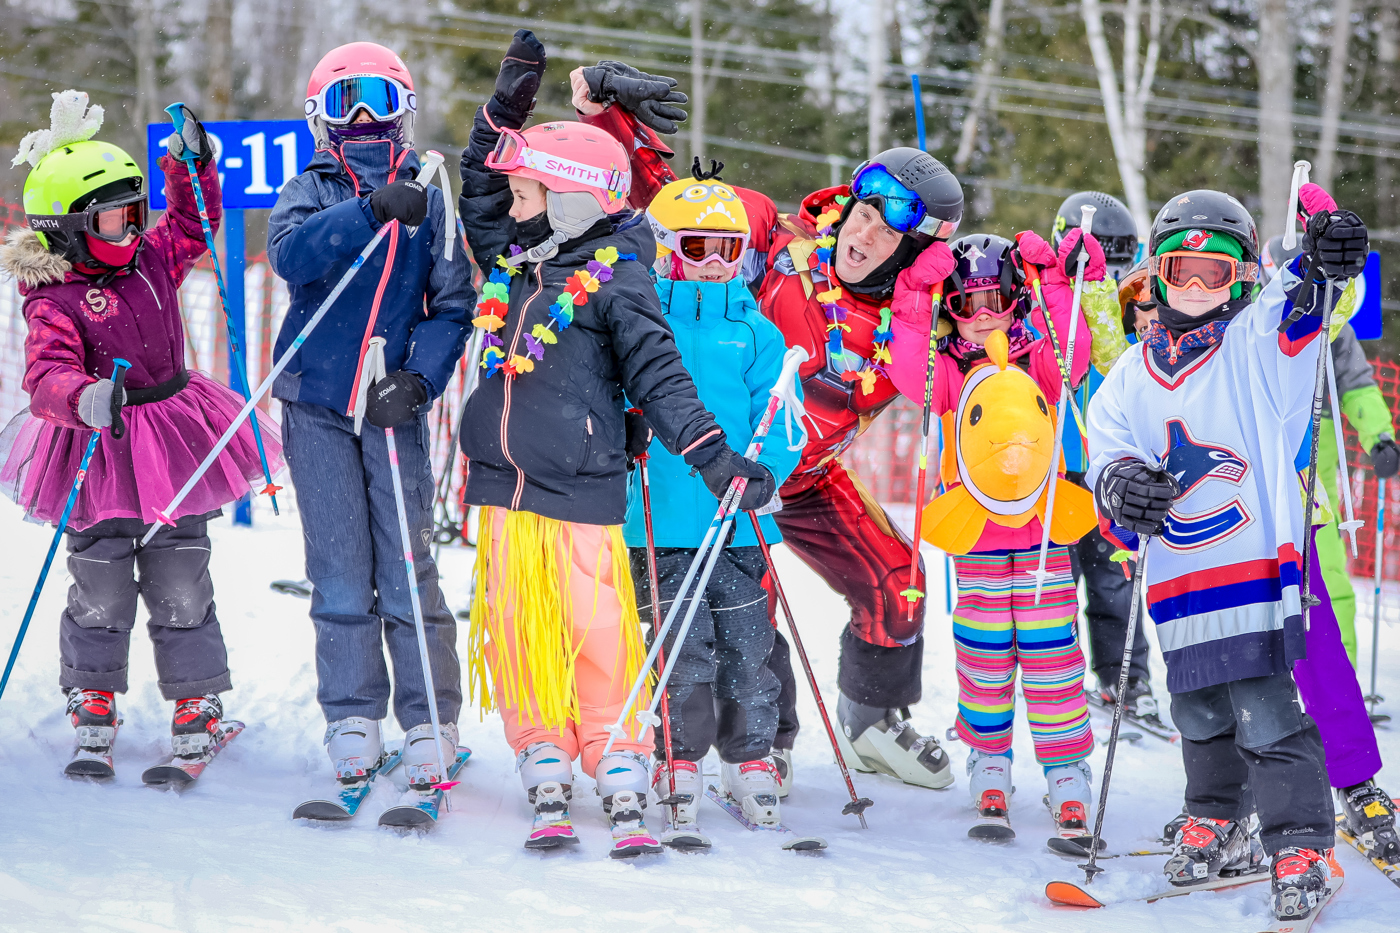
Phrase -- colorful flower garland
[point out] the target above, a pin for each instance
(495, 302)
(836, 315)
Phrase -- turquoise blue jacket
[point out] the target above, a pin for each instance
(734, 355)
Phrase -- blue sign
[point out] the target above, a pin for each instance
(1367, 319)
(256, 158)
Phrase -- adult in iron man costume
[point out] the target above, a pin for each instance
(826, 276)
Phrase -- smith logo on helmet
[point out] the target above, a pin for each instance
(1196, 239)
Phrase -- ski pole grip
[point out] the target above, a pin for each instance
(431, 161)
(177, 120)
(792, 360)
(119, 368)
(1301, 168)
(1086, 222)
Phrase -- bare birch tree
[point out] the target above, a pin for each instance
(1325, 163)
(992, 40)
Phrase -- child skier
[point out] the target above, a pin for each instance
(98, 286)
(995, 538)
(573, 322)
(721, 692)
(1195, 438)
(360, 105)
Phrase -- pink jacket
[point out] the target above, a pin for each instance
(909, 351)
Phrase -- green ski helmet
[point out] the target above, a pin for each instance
(85, 187)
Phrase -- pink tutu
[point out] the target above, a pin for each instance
(133, 476)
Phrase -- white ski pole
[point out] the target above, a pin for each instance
(430, 165)
(1300, 178)
(1315, 428)
(724, 516)
(1040, 573)
(1352, 523)
(1373, 698)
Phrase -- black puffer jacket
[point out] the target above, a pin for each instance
(550, 441)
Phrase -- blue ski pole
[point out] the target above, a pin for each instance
(919, 111)
(177, 117)
(119, 368)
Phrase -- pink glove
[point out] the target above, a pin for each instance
(1068, 263)
(913, 302)
(1311, 198)
(1034, 249)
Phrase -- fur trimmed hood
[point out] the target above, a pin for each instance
(25, 258)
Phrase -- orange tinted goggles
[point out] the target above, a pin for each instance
(1214, 272)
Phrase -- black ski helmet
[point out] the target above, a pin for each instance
(983, 261)
(1113, 227)
(928, 178)
(1204, 209)
(1275, 257)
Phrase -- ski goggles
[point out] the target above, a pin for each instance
(1214, 272)
(383, 98)
(512, 153)
(112, 221)
(902, 209)
(971, 305)
(704, 246)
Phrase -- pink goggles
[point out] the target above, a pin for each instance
(512, 153)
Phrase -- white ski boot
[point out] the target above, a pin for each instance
(356, 748)
(420, 756)
(622, 783)
(874, 739)
(754, 784)
(1069, 799)
(782, 760)
(543, 762)
(989, 780)
(689, 789)
(619, 771)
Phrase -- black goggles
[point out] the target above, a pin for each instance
(112, 221)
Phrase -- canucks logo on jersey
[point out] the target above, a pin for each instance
(1195, 463)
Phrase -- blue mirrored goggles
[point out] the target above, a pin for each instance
(383, 98)
(902, 209)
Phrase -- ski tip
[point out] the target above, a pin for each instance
(405, 818)
(1067, 894)
(323, 810)
(805, 844)
(636, 847)
(166, 777)
(446, 785)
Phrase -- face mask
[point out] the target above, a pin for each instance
(372, 130)
(534, 231)
(110, 253)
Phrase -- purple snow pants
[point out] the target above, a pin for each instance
(1332, 696)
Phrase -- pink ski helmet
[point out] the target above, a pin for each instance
(567, 157)
(360, 76)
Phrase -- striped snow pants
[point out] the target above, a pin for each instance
(997, 625)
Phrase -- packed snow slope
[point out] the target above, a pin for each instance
(226, 856)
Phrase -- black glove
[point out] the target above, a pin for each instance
(192, 139)
(650, 97)
(395, 399)
(638, 435)
(1385, 457)
(1338, 242)
(721, 470)
(1136, 496)
(519, 77)
(405, 201)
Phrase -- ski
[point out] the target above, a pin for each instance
(553, 827)
(95, 766)
(629, 831)
(731, 806)
(1390, 869)
(1305, 924)
(1152, 724)
(685, 837)
(347, 802)
(179, 773)
(1070, 846)
(423, 805)
(1069, 894)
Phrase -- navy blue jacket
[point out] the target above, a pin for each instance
(320, 224)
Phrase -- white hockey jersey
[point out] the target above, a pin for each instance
(1224, 578)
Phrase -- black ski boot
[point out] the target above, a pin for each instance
(1174, 826)
(1300, 879)
(194, 724)
(1370, 817)
(94, 715)
(1138, 702)
(1206, 848)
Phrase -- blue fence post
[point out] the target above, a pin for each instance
(235, 261)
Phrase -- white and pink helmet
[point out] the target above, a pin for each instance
(360, 76)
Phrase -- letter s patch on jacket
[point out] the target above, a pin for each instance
(100, 303)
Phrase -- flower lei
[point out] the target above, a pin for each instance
(836, 325)
(495, 301)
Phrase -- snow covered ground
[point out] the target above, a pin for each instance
(226, 855)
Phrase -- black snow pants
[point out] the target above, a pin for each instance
(174, 582)
(722, 692)
(1248, 745)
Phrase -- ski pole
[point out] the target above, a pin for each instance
(913, 594)
(1324, 352)
(469, 381)
(430, 164)
(119, 368)
(1300, 178)
(177, 117)
(858, 805)
(1091, 867)
(1066, 392)
(1352, 523)
(1033, 276)
(1379, 557)
(918, 119)
(719, 525)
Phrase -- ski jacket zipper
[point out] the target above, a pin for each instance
(510, 381)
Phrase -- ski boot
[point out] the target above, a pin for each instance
(754, 785)
(782, 760)
(543, 762)
(94, 716)
(420, 754)
(622, 783)
(553, 826)
(1370, 817)
(193, 727)
(874, 739)
(1173, 827)
(1299, 882)
(1138, 701)
(989, 780)
(1068, 801)
(689, 789)
(355, 747)
(1209, 847)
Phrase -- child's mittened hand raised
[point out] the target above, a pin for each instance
(405, 201)
(1074, 246)
(1339, 240)
(519, 77)
(913, 301)
(1032, 248)
(650, 97)
(191, 140)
